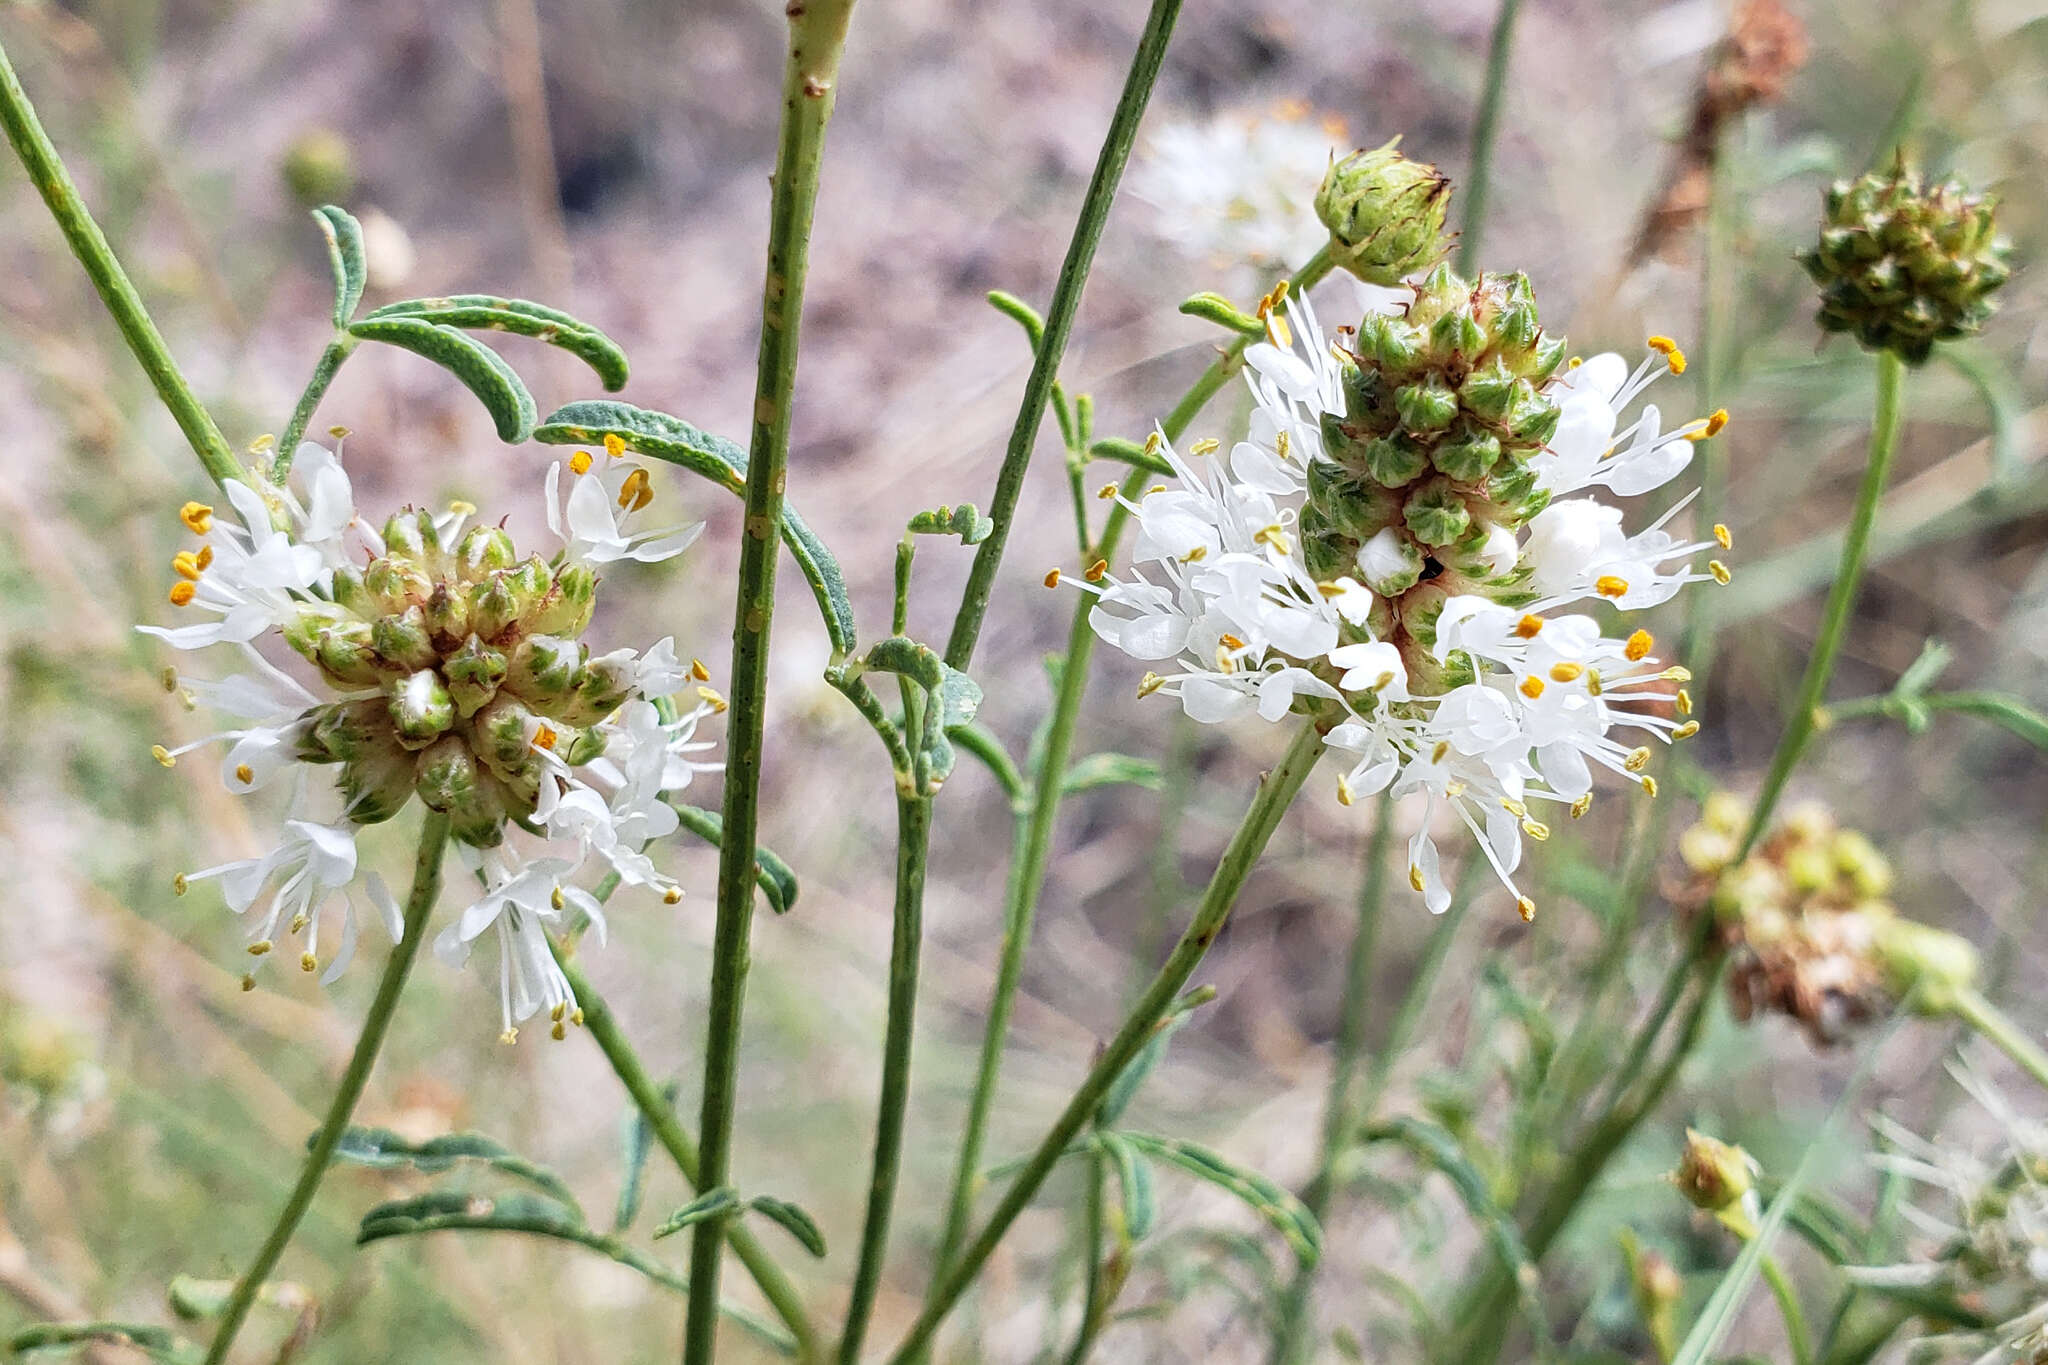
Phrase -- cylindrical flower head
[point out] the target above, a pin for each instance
(1902, 266)
(1385, 214)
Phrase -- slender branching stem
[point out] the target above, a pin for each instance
(46, 171)
(1276, 792)
(1291, 1337)
(1094, 1289)
(337, 351)
(817, 35)
(1485, 132)
(419, 904)
(1989, 1021)
(661, 1120)
(1782, 1289)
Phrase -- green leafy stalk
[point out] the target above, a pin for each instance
(660, 1118)
(329, 364)
(1289, 1337)
(1276, 792)
(1782, 1289)
(1485, 132)
(426, 889)
(1028, 862)
(46, 171)
(817, 35)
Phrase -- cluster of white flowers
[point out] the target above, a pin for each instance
(442, 666)
(1492, 709)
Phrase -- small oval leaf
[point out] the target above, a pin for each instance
(345, 257)
(790, 1219)
(383, 1148)
(482, 371)
(710, 1204)
(777, 882)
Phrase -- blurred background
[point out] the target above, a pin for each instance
(610, 157)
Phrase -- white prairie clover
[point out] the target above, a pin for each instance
(1395, 550)
(446, 666)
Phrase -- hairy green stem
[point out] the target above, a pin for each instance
(337, 351)
(817, 35)
(46, 171)
(913, 831)
(1291, 1339)
(1834, 626)
(419, 904)
(1485, 132)
(661, 1120)
(1276, 792)
(1992, 1024)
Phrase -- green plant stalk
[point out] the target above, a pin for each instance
(817, 35)
(46, 171)
(1992, 1024)
(1094, 1309)
(1485, 132)
(1028, 862)
(645, 1092)
(1290, 1336)
(913, 832)
(1796, 1335)
(1799, 726)
(337, 351)
(1276, 792)
(419, 905)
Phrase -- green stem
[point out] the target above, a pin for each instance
(661, 1121)
(1093, 1309)
(1990, 1021)
(913, 830)
(1796, 1335)
(1485, 131)
(1884, 439)
(817, 35)
(46, 171)
(337, 351)
(1276, 792)
(1059, 325)
(426, 889)
(1289, 1343)
(1028, 864)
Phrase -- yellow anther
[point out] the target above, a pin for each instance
(1275, 537)
(1532, 687)
(1149, 684)
(1529, 627)
(1668, 348)
(1415, 876)
(1329, 590)
(168, 680)
(699, 671)
(1536, 830)
(579, 463)
(244, 774)
(1611, 585)
(1383, 681)
(636, 492)
(1582, 805)
(262, 444)
(559, 1012)
(1153, 442)
(1639, 645)
(1231, 641)
(1723, 537)
(1593, 684)
(1687, 730)
(1052, 578)
(1513, 807)
(1281, 443)
(185, 564)
(182, 592)
(1436, 755)
(197, 516)
(509, 1037)
(1719, 571)
(179, 886)
(576, 1017)
(205, 559)
(1106, 492)
(713, 698)
(1716, 421)
(672, 895)
(339, 433)
(248, 982)
(1574, 362)
(1676, 673)
(544, 737)
(1526, 908)
(614, 444)
(1638, 759)
(1683, 701)
(1650, 787)
(462, 507)
(1208, 445)
(260, 947)
(559, 1031)
(1196, 555)
(1096, 570)
(308, 963)
(557, 899)
(163, 755)
(1566, 672)
(1343, 790)
(1155, 488)
(1224, 663)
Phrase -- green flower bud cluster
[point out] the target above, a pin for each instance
(1903, 267)
(465, 658)
(1385, 214)
(1430, 459)
(1716, 1177)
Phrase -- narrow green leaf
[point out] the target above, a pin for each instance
(774, 877)
(1120, 1093)
(1134, 1185)
(157, 1343)
(1212, 307)
(639, 1144)
(522, 317)
(381, 1147)
(954, 696)
(2002, 710)
(1110, 770)
(1130, 453)
(710, 1204)
(671, 439)
(345, 256)
(964, 521)
(1287, 1215)
(482, 371)
(792, 1220)
(1025, 316)
(982, 742)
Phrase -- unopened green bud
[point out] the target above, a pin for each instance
(483, 549)
(474, 673)
(347, 654)
(409, 535)
(1468, 456)
(1428, 406)
(421, 709)
(1348, 503)
(1436, 514)
(566, 610)
(1725, 812)
(393, 585)
(403, 640)
(603, 686)
(505, 733)
(341, 732)
(1385, 214)
(1706, 849)
(348, 592)
(1930, 966)
(319, 168)
(493, 606)
(1395, 460)
(544, 668)
(1809, 868)
(447, 612)
(377, 784)
(1713, 1175)
(451, 781)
